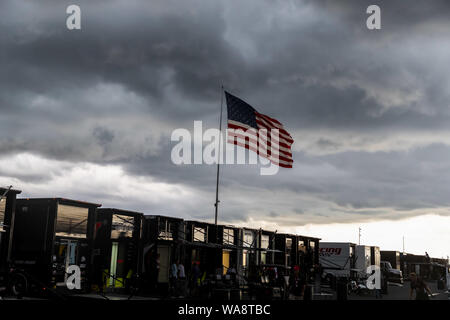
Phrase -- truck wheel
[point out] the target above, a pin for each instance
(18, 285)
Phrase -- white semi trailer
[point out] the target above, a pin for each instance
(362, 259)
(337, 258)
(346, 259)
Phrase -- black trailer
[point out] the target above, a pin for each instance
(424, 266)
(296, 250)
(393, 257)
(51, 234)
(200, 248)
(286, 244)
(297, 253)
(7, 215)
(266, 245)
(249, 242)
(117, 249)
(308, 251)
(163, 244)
(214, 248)
(226, 255)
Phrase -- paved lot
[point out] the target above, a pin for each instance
(401, 292)
(395, 292)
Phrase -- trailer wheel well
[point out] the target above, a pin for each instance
(18, 284)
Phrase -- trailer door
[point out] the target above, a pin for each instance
(113, 266)
(65, 256)
(164, 264)
(225, 261)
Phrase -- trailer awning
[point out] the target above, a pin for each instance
(225, 246)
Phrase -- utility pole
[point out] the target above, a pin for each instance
(359, 235)
(403, 244)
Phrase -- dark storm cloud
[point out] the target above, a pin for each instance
(103, 135)
(113, 92)
(122, 44)
(187, 50)
(396, 13)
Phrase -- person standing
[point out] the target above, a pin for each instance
(181, 272)
(181, 278)
(421, 288)
(318, 271)
(232, 272)
(302, 281)
(195, 278)
(152, 263)
(173, 276)
(157, 266)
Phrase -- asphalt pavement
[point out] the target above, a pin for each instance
(401, 292)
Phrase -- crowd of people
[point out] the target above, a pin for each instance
(181, 285)
(294, 283)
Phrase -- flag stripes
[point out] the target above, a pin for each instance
(258, 132)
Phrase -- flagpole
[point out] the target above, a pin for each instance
(218, 163)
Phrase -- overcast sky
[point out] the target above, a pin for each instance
(88, 114)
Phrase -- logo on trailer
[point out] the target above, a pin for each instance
(328, 252)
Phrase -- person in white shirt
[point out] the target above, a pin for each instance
(181, 279)
(181, 273)
(174, 271)
(173, 275)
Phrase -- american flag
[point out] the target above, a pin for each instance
(274, 143)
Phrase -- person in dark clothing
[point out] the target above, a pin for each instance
(152, 263)
(196, 274)
(421, 288)
(296, 283)
(318, 271)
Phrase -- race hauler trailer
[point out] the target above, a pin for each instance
(393, 257)
(163, 244)
(391, 266)
(117, 249)
(287, 246)
(228, 251)
(337, 259)
(7, 214)
(375, 256)
(249, 259)
(363, 259)
(51, 234)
